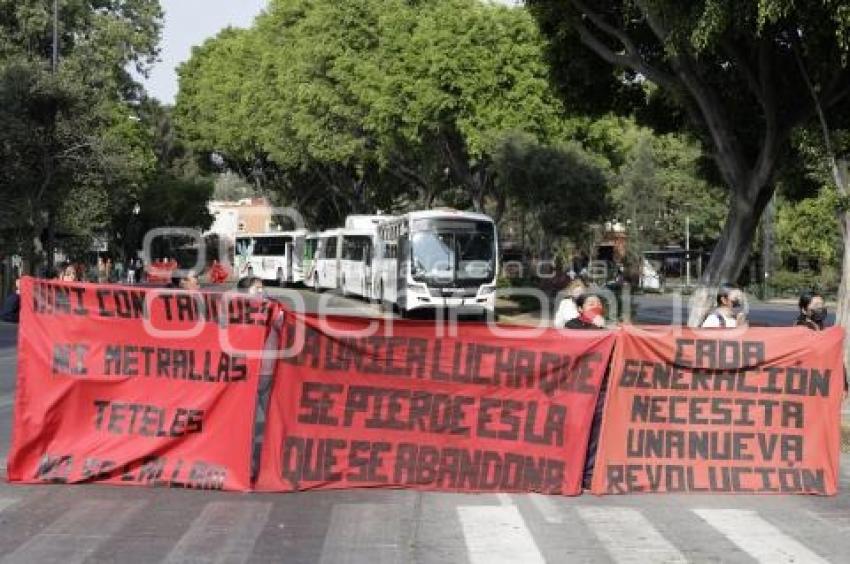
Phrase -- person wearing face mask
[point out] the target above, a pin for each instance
(812, 311)
(567, 309)
(591, 316)
(590, 313)
(729, 312)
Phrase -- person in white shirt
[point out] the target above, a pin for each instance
(567, 309)
(729, 312)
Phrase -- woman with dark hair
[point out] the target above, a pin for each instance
(250, 285)
(590, 313)
(812, 311)
(729, 312)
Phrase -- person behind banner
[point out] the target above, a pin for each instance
(567, 308)
(68, 273)
(729, 312)
(250, 285)
(590, 313)
(187, 281)
(591, 316)
(812, 311)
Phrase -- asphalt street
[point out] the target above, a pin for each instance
(72, 524)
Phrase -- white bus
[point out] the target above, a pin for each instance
(359, 241)
(308, 258)
(273, 256)
(326, 263)
(437, 259)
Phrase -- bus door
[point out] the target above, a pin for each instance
(290, 255)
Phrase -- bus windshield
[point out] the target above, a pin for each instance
(445, 251)
(262, 246)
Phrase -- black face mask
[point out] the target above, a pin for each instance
(736, 304)
(817, 315)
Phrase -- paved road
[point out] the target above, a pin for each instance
(71, 524)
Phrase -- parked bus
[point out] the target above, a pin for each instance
(272, 256)
(435, 259)
(326, 264)
(308, 257)
(359, 241)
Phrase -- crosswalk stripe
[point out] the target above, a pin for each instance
(547, 508)
(628, 536)
(757, 537)
(224, 532)
(497, 534)
(364, 532)
(75, 536)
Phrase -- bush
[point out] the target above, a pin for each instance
(787, 283)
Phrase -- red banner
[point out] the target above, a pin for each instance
(374, 403)
(135, 386)
(738, 411)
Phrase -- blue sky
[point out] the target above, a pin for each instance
(189, 23)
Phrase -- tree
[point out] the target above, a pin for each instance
(402, 105)
(731, 68)
(562, 187)
(65, 130)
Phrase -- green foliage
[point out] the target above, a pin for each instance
(346, 106)
(809, 229)
(561, 186)
(739, 71)
(77, 155)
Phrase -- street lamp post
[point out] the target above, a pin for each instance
(55, 35)
(687, 249)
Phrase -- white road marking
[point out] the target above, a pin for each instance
(505, 499)
(364, 532)
(757, 537)
(628, 536)
(547, 508)
(77, 534)
(224, 532)
(497, 534)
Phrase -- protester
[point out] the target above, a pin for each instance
(119, 271)
(218, 273)
(250, 285)
(590, 313)
(11, 311)
(139, 268)
(131, 272)
(591, 316)
(102, 272)
(68, 273)
(729, 312)
(567, 309)
(812, 311)
(187, 281)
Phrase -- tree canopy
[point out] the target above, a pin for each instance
(371, 104)
(738, 74)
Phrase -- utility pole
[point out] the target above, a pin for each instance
(767, 243)
(687, 249)
(51, 235)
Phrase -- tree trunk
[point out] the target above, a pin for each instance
(730, 253)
